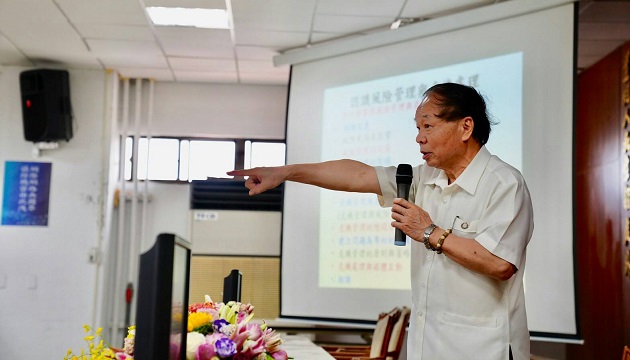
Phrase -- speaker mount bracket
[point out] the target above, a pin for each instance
(38, 147)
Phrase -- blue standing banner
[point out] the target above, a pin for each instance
(26, 193)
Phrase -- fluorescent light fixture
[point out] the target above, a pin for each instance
(201, 18)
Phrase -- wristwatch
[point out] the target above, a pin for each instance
(425, 238)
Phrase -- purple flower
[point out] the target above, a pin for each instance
(218, 324)
(225, 347)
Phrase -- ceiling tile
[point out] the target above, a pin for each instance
(255, 53)
(47, 36)
(119, 53)
(9, 55)
(260, 66)
(30, 26)
(190, 4)
(104, 12)
(205, 76)
(122, 47)
(274, 39)
(28, 13)
(199, 64)
(194, 42)
(133, 60)
(349, 24)
(59, 44)
(115, 32)
(390, 8)
(276, 15)
(423, 8)
(317, 36)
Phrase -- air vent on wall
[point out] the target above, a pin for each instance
(229, 194)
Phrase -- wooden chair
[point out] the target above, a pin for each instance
(399, 331)
(379, 346)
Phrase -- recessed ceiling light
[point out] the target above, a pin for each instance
(201, 18)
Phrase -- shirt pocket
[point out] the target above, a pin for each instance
(465, 228)
(465, 337)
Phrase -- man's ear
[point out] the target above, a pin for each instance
(468, 124)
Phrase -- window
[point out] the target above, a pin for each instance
(210, 159)
(264, 154)
(174, 159)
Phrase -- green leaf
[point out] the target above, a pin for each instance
(204, 329)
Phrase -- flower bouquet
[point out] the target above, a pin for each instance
(216, 331)
(224, 331)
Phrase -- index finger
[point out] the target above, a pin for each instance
(241, 172)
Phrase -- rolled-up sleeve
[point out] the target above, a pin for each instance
(507, 223)
(387, 180)
(389, 189)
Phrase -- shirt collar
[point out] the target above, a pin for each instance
(469, 178)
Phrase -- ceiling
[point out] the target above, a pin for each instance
(117, 34)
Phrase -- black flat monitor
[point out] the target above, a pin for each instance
(162, 304)
(232, 287)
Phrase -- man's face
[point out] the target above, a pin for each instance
(441, 142)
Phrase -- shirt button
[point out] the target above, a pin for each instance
(420, 313)
(444, 201)
(428, 257)
(422, 285)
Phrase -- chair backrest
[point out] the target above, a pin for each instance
(397, 337)
(382, 333)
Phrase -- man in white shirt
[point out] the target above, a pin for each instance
(471, 217)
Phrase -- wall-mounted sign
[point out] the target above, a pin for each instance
(26, 193)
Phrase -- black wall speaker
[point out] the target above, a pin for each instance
(46, 108)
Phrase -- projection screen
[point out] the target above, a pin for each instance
(357, 98)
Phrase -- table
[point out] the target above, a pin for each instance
(302, 348)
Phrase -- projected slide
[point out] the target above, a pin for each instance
(373, 122)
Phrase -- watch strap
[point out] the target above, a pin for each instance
(425, 237)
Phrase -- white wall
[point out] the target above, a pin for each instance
(47, 284)
(258, 232)
(229, 111)
(168, 211)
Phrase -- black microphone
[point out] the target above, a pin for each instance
(404, 175)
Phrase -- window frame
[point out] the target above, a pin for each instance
(239, 156)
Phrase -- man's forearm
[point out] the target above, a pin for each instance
(341, 175)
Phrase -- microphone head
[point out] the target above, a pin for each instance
(404, 174)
